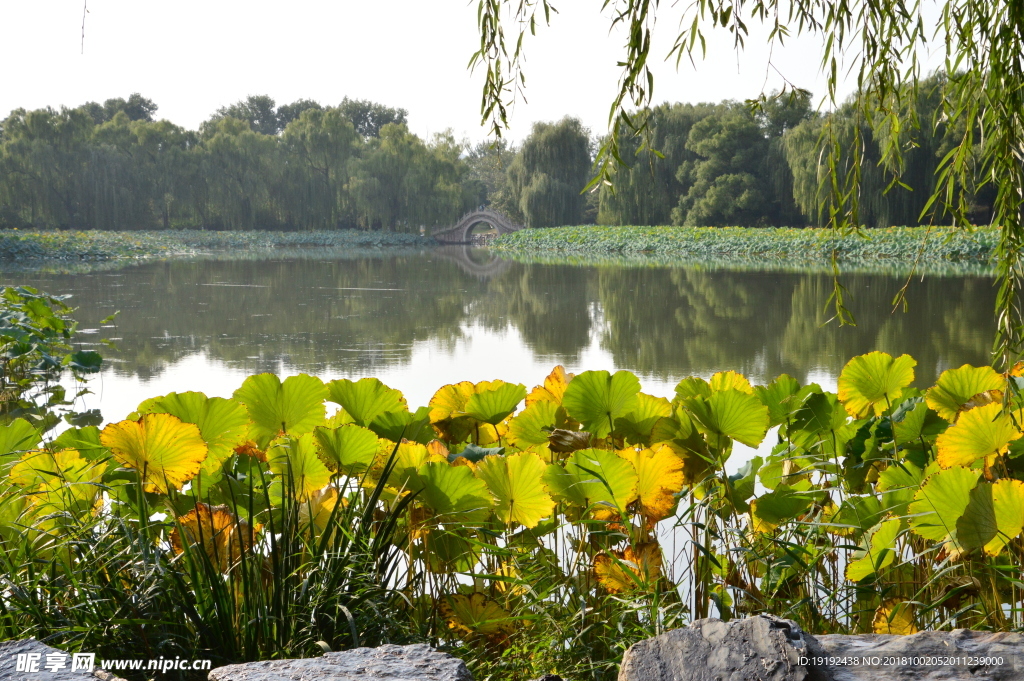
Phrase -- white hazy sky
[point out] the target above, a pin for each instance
(193, 57)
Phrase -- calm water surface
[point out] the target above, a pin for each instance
(420, 321)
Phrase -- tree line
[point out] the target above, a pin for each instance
(257, 165)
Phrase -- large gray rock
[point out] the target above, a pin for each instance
(770, 649)
(762, 648)
(28, 649)
(388, 662)
(931, 655)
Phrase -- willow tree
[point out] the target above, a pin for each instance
(549, 173)
(982, 98)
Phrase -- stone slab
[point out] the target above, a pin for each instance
(387, 663)
(9, 651)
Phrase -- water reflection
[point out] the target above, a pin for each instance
(367, 316)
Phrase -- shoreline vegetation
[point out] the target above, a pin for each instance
(938, 252)
(940, 249)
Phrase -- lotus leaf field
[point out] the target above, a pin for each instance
(517, 526)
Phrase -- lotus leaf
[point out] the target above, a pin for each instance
(453, 492)
(637, 425)
(349, 450)
(770, 510)
(299, 470)
(215, 530)
(659, 479)
(553, 388)
(777, 396)
(879, 552)
(726, 380)
(476, 615)
(895, 617)
(223, 423)
(293, 407)
(732, 414)
(871, 383)
(940, 502)
(166, 452)
(694, 386)
(366, 399)
(978, 434)
(898, 483)
(403, 425)
(629, 570)
(597, 398)
(17, 436)
(527, 427)
(993, 518)
(956, 387)
(516, 483)
(495, 402)
(604, 478)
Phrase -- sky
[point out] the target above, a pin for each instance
(192, 57)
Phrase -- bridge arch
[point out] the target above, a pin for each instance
(460, 233)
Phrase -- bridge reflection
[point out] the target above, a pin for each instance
(478, 262)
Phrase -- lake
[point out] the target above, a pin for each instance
(423, 319)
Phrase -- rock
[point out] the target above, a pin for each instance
(766, 648)
(932, 655)
(549, 677)
(36, 667)
(387, 663)
(762, 648)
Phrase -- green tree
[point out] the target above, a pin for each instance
(550, 172)
(369, 117)
(136, 107)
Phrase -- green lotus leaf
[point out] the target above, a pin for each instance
(915, 422)
(349, 449)
(993, 518)
(404, 425)
(563, 485)
(731, 414)
(297, 467)
(599, 477)
(293, 407)
(17, 436)
(516, 483)
(527, 427)
(453, 492)
(597, 398)
(940, 502)
(743, 484)
(494, 404)
(898, 483)
(446, 552)
(475, 454)
(879, 553)
(366, 399)
(223, 424)
(978, 434)
(694, 386)
(770, 510)
(859, 513)
(85, 440)
(956, 387)
(871, 383)
(637, 425)
(777, 397)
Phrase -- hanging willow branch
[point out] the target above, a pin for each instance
(982, 96)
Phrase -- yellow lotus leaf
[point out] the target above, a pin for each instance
(993, 518)
(956, 387)
(476, 615)
(659, 478)
(631, 569)
(60, 482)
(515, 481)
(166, 452)
(408, 459)
(724, 380)
(696, 466)
(870, 383)
(553, 388)
(979, 433)
(895, 617)
(216, 531)
(450, 400)
(317, 509)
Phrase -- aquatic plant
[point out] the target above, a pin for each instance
(531, 531)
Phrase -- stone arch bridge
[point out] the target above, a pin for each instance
(460, 233)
